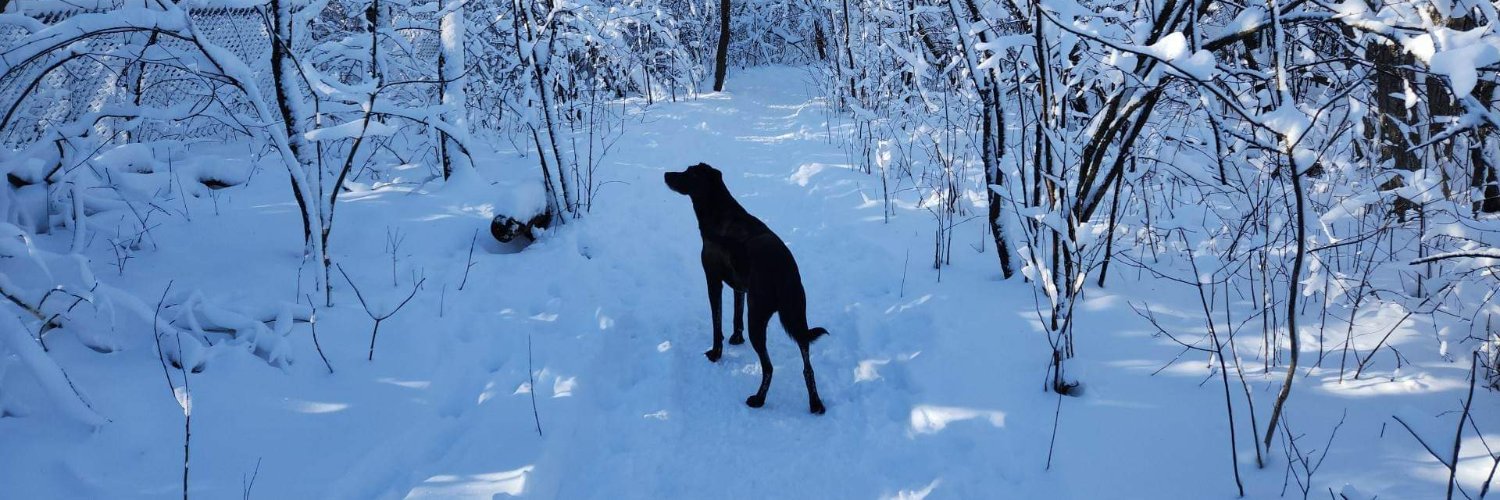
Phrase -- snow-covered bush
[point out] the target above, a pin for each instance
(1296, 151)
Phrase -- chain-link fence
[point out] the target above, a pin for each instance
(98, 77)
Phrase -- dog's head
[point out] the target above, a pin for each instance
(695, 180)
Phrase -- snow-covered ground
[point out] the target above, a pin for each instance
(934, 383)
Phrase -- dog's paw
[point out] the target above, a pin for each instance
(713, 355)
(736, 339)
(816, 407)
(756, 401)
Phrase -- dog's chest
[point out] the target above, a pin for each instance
(726, 264)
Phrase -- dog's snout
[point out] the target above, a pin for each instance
(673, 180)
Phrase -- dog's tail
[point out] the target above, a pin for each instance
(794, 322)
(813, 334)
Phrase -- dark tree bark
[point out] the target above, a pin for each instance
(1300, 209)
(284, 84)
(1391, 125)
(721, 58)
(992, 143)
(819, 40)
(1485, 180)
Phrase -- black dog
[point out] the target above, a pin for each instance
(740, 250)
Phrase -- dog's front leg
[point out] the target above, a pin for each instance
(715, 301)
(739, 319)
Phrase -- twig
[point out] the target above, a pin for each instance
(53, 321)
(1361, 367)
(393, 241)
(470, 264)
(156, 331)
(1488, 254)
(312, 321)
(531, 375)
(1484, 489)
(1052, 444)
(1458, 435)
(250, 485)
(1424, 444)
(378, 318)
(904, 266)
(186, 401)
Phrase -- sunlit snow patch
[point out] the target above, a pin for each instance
(316, 407)
(806, 172)
(869, 370)
(927, 419)
(409, 384)
(563, 387)
(914, 494)
(487, 485)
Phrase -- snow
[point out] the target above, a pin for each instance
(1200, 65)
(1173, 48)
(1461, 64)
(1169, 47)
(934, 387)
(350, 130)
(51, 378)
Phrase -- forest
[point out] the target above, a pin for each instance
(1061, 248)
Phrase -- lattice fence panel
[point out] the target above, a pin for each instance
(133, 68)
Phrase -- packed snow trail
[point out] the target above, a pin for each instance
(647, 415)
(933, 380)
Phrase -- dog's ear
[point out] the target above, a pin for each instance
(710, 171)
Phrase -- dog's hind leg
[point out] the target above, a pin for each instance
(715, 303)
(814, 403)
(760, 316)
(794, 321)
(739, 319)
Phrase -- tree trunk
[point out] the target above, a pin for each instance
(721, 57)
(528, 52)
(1392, 127)
(288, 99)
(1293, 282)
(1482, 153)
(451, 92)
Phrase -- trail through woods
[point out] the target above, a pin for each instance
(934, 381)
